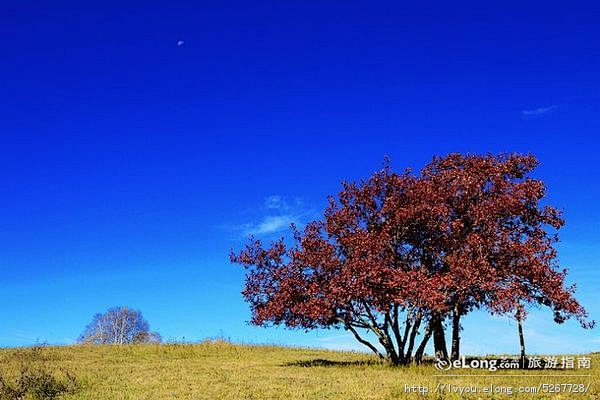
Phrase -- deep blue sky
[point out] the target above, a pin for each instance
(130, 166)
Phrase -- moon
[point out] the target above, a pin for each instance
(180, 43)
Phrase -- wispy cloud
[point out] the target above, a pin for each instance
(538, 112)
(278, 213)
(272, 224)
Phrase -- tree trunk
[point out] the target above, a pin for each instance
(439, 338)
(421, 349)
(413, 335)
(455, 352)
(394, 323)
(391, 356)
(521, 339)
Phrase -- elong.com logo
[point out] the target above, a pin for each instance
(565, 362)
(476, 363)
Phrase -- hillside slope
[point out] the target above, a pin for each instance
(217, 370)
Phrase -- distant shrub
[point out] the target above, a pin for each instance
(37, 384)
(34, 380)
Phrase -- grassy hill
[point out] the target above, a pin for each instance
(218, 370)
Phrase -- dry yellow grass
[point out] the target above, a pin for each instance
(218, 370)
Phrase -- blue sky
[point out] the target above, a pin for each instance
(130, 166)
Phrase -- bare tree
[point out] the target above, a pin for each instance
(119, 325)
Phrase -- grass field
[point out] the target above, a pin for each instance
(219, 370)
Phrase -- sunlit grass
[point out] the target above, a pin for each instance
(219, 370)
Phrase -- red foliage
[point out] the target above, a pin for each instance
(467, 232)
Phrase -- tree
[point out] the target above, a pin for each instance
(399, 253)
(119, 325)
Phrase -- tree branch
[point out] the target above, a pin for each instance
(382, 334)
(363, 341)
(407, 326)
(413, 334)
(421, 350)
(395, 330)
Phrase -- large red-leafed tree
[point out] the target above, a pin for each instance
(397, 255)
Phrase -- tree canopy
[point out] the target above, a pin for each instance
(401, 254)
(119, 325)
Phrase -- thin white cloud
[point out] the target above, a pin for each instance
(278, 213)
(271, 224)
(537, 112)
